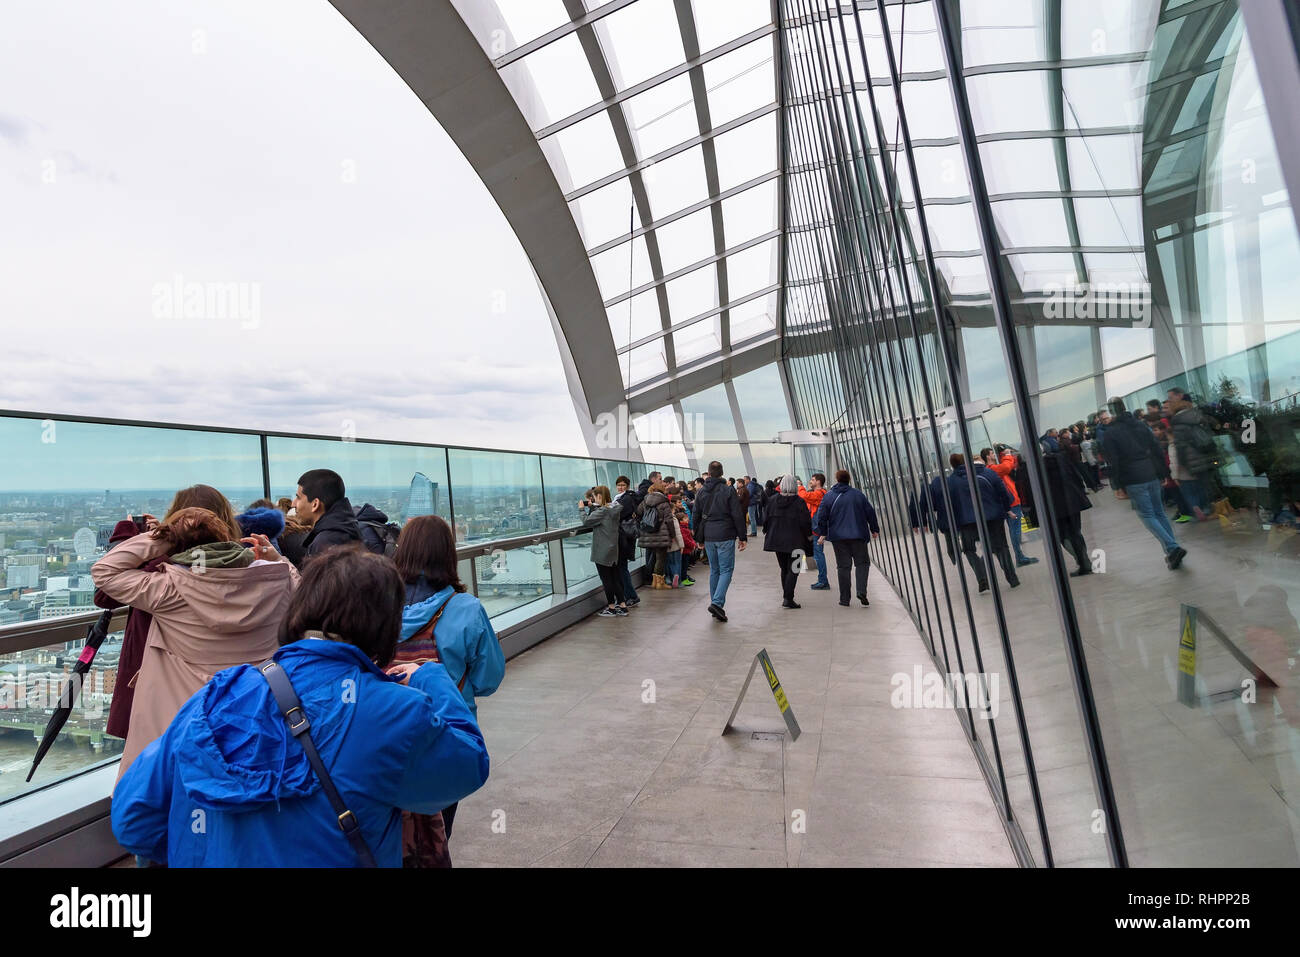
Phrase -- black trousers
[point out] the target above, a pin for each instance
(789, 577)
(997, 531)
(612, 579)
(850, 554)
(969, 538)
(1070, 528)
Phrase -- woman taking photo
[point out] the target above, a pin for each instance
(386, 741)
(789, 531)
(215, 604)
(442, 621)
(136, 635)
(603, 518)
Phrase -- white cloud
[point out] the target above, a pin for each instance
(400, 300)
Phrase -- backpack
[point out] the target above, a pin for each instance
(387, 537)
(651, 520)
(627, 525)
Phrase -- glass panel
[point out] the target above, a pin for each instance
(565, 482)
(694, 293)
(740, 81)
(647, 362)
(746, 152)
(1020, 166)
(752, 269)
(699, 339)
(578, 566)
(606, 213)
(709, 415)
(753, 318)
(687, 240)
(640, 41)
(509, 579)
(584, 152)
(497, 495)
(616, 275)
(634, 318)
(718, 23)
(521, 21)
(676, 182)
(402, 481)
(662, 117)
(762, 403)
(552, 83)
(751, 213)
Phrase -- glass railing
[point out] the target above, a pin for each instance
(65, 482)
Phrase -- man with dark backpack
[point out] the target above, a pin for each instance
(377, 533)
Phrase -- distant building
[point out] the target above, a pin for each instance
(423, 499)
(22, 576)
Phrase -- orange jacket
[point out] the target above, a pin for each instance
(813, 498)
(1005, 468)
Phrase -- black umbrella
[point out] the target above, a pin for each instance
(94, 638)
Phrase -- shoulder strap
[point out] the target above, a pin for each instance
(431, 628)
(286, 699)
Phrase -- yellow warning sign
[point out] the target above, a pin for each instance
(1187, 646)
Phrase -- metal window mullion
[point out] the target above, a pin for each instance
(893, 190)
(1037, 474)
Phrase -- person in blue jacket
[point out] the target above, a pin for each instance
(227, 785)
(962, 525)
(443, 621)
(846, 519)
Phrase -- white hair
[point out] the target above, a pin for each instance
(788, 486)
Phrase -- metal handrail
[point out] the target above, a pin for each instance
(27, 635)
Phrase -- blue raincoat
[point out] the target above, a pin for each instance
(466, 639)
(225, 786)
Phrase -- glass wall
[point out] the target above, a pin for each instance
(1094, 210)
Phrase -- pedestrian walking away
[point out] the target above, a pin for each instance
(789, 535)
(847, 520)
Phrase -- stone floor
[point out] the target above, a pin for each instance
(607, 748)
(1217, 784)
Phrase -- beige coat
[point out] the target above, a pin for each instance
(203, 622)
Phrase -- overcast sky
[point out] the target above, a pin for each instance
(265, 144)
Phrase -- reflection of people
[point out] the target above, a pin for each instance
(1003, 463)
(1069, 499)
(1137, 469)
(813, 495)
(1193, 451)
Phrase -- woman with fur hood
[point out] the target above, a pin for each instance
(215, 602)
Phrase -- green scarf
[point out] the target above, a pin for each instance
(216, 555)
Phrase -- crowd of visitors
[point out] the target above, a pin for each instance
(297, 682)
(313, 620)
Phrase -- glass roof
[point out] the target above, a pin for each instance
(1058, 104)
(658, 118)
